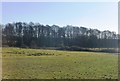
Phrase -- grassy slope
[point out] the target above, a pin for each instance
(59, 64)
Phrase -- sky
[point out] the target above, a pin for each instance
(96, 15)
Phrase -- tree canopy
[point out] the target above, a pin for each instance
(21, 34)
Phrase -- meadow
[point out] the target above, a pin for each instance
(19, 63)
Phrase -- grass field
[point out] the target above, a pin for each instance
(53, 64)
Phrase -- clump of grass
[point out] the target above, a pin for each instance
(39, 54)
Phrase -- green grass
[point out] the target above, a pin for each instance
(53, 64)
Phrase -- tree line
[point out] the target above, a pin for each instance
(35, 35)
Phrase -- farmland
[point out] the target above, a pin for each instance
(19, 63)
